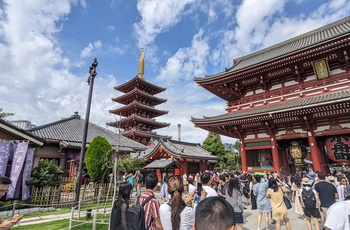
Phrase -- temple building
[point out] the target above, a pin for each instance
(288, 102)
(136, 117)
(176, 158)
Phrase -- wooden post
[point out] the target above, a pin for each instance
(275, 156)
(243, 156)
(315, 153)
(71, 218)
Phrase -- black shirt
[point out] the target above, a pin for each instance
(326, 192)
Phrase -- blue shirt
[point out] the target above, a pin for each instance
(131, 180)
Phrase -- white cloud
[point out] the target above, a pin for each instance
(157, 16)
(186, 62)
(87, 51)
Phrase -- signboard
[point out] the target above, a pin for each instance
(339, 148)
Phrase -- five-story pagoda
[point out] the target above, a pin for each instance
(138, 113)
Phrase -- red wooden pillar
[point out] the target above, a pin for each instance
(315, 153)
(159, 174)
(243, 156)
(275, 156)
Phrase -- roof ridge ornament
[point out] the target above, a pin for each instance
(141, 64)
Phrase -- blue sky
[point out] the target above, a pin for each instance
(47, 46)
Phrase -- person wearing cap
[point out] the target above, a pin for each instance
(310, 212)
(312, 178)
(327, 194)
(338, 215)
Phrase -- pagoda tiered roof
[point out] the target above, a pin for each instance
(140, 84)
(140, 96)
(138, 108)
(143, 134)
(138, 120)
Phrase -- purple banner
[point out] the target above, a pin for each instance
(16, 169)
(26, 174)
(4, 155)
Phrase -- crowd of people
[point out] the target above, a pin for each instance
(186, 199)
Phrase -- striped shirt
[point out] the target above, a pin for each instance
(151, 210)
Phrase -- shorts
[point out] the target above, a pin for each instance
(324, 210)
(239, 217)
(312, 212)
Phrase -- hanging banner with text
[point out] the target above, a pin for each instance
(4, 155)
(26, 174)
(339, 148)
(16, 169)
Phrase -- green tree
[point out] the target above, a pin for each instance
(213, 144)
(98, 158)
(45, 174)
(230, 160)
(4, 114)
(128, 163)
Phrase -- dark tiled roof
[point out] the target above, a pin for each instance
(70, 131)
(326, 33)
(295, 104)
(163, 163)
(138, 82)
(179, 148)
(21, 133)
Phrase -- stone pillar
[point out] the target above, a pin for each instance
(243, 156)
(314, 151)
(275, 156)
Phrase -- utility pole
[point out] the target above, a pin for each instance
(93, 73)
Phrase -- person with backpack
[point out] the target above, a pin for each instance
(176, 215)
(118, 219)
(310, 204)
(151, 208)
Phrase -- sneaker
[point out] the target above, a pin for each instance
(273, 222)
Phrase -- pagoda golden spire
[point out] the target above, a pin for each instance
(141, 64)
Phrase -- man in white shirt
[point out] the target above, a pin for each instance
(206, 181)
(338, 215)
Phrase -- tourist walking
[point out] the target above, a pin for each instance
(338, 215)
(120, 207)
(262, 203)
(252, 196)
(343, 188)
(151, 208)
(234, 198)
(327, 194)
(279, 209)
(176, 215)
(186, 195)
(310, 203)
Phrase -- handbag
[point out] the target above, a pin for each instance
(287, 202)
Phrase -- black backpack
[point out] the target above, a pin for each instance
(135, 216)
(309, 198)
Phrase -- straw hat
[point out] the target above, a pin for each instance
(305, 181)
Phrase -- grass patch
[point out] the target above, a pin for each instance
(64, 224)
(65, 210)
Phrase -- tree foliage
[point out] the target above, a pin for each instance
(4, 114)
(213, 144)
(98, 158)
(45, 174)
(128, 163)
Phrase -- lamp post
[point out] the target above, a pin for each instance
(93, 73)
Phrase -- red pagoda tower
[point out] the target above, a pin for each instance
(139, 110)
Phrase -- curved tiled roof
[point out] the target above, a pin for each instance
(139, 82)
(70, 131)
(135, 105)
(324, 34)
(294, 104)
(136, 92)
(180, 148)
